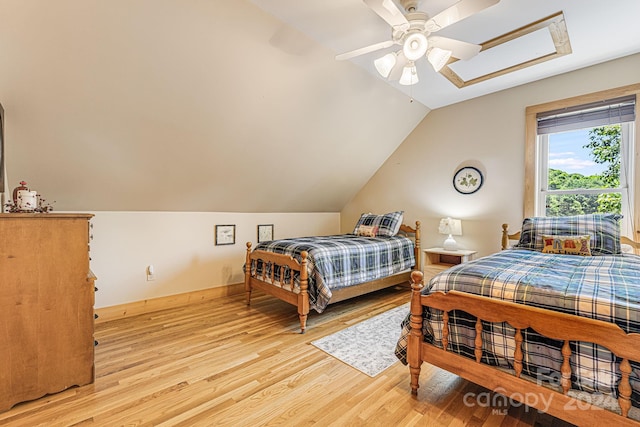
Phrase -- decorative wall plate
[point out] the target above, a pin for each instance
(467, 180)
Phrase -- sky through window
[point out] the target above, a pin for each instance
(566, 152)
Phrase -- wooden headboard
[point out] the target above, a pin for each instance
(515, 236)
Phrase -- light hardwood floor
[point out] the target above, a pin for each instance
(222, 363)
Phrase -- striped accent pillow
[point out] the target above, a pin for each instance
(603, 229)
(388, 224)
(570, 245)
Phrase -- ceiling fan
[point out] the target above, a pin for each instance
(413, 32)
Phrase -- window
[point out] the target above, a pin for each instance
(581, 158)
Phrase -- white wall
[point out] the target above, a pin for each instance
(180, 245)
(185, 102)
(488, 133)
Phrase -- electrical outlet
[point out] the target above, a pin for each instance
(150, 273)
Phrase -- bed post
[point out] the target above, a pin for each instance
(303, 296)
(418, 252)
(247, 274)
(414, 344)
(505, 236)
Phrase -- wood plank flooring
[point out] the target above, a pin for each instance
(225, 364)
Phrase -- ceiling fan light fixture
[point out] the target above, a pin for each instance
(409, 75)
(415, 46)
(438, 58)
(385, 64)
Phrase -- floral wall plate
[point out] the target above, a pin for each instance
(467, 180)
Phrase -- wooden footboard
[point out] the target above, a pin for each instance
(299, 296)
(276, 277)
(558, 326)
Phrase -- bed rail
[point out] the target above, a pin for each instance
(555, 325)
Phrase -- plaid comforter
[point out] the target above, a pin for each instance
(599, 287)
(345, 260)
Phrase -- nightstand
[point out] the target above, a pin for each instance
(439, 259)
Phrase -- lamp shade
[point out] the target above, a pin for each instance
(409, 75)
(438, 58)
(385, 64)
(450, 226)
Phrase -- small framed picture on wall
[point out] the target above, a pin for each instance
(225, 234)
(265, 232)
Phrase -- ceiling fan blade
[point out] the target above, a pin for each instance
(457, 12)
(396, 71)
(461, 50)
(388, 11)
(363, 50)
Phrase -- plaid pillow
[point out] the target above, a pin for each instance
(604, 230)
(388, 224)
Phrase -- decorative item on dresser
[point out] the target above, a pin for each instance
(538, 327)
(313, 272)
(46, 309)
(25, 200)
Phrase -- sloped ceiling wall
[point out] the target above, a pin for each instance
(187, 105)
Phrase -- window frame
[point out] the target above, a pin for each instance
(532, 184)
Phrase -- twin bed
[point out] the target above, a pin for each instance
(539, 324)
(313, 272)
(553, 322)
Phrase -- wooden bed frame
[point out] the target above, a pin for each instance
(301, 298)
(559, 326)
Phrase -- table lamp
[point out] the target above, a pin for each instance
(452, 227)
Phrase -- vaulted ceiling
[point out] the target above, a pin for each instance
(194, 105)
(597, 31)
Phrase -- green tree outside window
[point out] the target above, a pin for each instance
(604, 146)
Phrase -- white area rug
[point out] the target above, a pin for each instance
(369, 345)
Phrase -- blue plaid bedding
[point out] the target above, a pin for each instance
(345, 260)
(603, 287)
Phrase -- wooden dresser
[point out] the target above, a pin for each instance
(46, 305)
